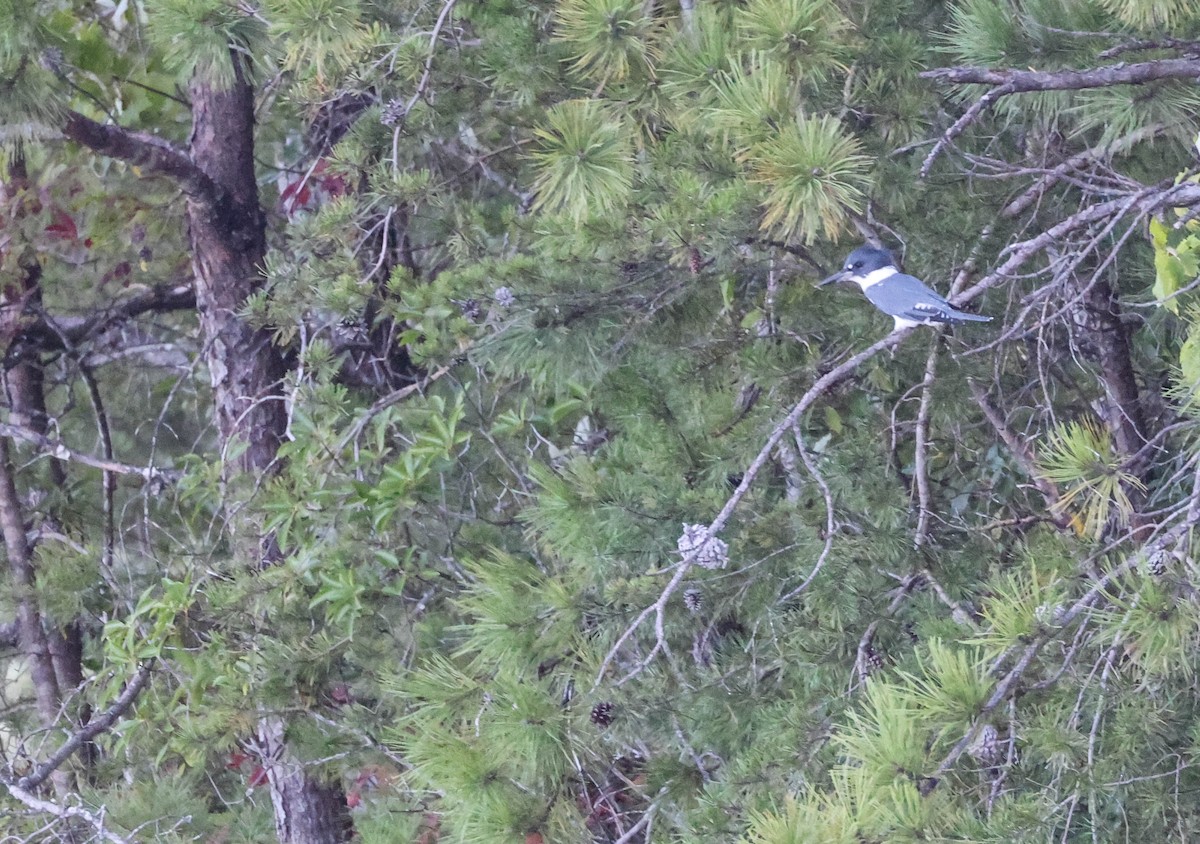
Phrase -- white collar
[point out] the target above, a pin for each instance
(876, 276)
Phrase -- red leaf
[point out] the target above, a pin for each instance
(62, 226)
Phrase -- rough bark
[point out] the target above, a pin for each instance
(1105, 339)
(1019, 81)
(24, 383)
(34, 642)
(228, 243)
(306, 812)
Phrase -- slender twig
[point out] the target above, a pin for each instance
(830, 525)
(960, 125)
(921, 437)
(394, 397)
(108, 481)
(59, 450)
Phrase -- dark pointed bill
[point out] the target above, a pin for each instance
(838, 276)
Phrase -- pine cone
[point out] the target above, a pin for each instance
(602, 713)
(392, 113)
(693, 599)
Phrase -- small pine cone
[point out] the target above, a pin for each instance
(471, 309)
(393, 112)
(910, 630)
(1156, 564)
(986, 747)
(504, 297)
(695, 261)
(602, 713)
(873, 660)
(693, 599)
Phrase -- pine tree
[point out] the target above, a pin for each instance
(439, 396)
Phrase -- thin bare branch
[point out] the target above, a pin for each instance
(93, 819)
(61, 451)
(89, 731)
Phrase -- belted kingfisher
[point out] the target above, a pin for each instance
(905, 299)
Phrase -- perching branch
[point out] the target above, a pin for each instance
(1024, 81)
(821, 386)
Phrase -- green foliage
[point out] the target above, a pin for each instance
(547, 317)
(817, 178)
(806, 35)
(207, 37)
(608, 39)
(585, 161)
(1081, 456)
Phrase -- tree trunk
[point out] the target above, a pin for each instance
(228, 243)
(34, 642)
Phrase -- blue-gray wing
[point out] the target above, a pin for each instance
(910, 298)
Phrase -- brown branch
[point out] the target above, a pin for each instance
(960, 125)
(1024, 81)
(58, 333)
(921, 457)
(93, 728)
(1020, 452)
(1144, 202)
(1012, 81)
(21, 567)
(1048, 180)
(152, 154)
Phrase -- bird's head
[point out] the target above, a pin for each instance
(860, 263)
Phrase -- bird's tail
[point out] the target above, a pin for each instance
(960, 316)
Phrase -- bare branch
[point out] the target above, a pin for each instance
(1020, 452)
(89, 731)
(55, 332)
(59, 450)
(1012, 81)
(95, 820)
(921, 457)
(1024, 81)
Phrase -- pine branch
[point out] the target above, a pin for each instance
(152, 154)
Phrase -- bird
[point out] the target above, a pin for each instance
(907, 300)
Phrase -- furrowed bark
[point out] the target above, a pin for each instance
(34, 642)
(24, 385)
(228, 244)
